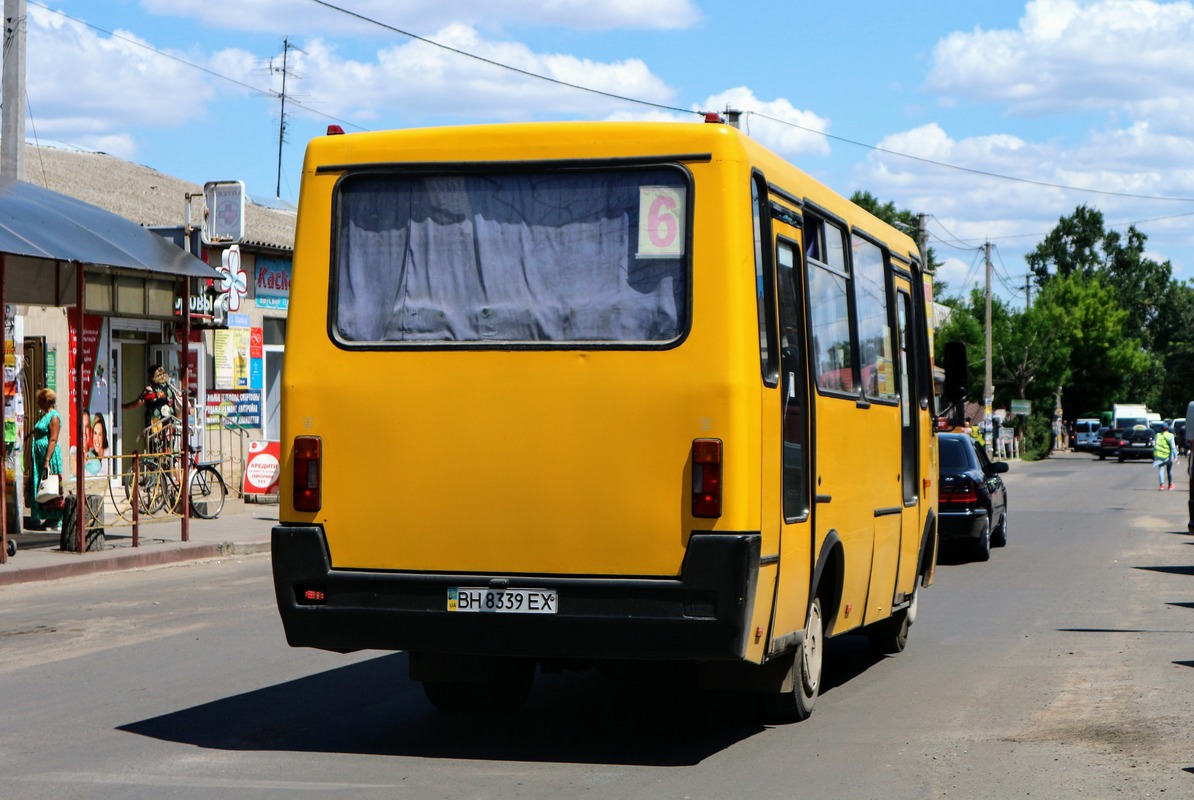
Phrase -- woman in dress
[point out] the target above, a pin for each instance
(47, 457)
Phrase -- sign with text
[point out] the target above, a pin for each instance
(234, 408)
(273, 283)
(225, 219)
(262, 468)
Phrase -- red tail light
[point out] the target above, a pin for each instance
(706, 478)
(961, 493)
(308, 473)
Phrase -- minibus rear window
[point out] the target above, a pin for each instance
(554, 257)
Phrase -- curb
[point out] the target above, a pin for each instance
(149, 558)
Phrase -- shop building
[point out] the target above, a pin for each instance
(235, 368)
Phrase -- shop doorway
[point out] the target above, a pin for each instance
(130, 361)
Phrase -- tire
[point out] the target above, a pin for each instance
(151, 494)
(796, 704)
(982, 548)
(207, 493)
(1121, 459)
(999, 538)
(1102, 456)
(503, 692)
(891, 635)
(12, 548)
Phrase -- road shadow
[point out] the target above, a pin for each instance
(372, 708)
(1183, 569)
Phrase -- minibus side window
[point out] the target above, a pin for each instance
(764, 282)
(834, 351)
(795, 381)
(874, 325)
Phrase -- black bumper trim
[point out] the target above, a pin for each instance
(700, 616)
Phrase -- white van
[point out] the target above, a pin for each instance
(1086, 435)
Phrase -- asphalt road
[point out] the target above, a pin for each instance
(1060, 668)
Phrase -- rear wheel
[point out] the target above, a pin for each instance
(891, 635)
(796, 703)
(503, 691)
(999, 539)
(982, 548)
(207, 493)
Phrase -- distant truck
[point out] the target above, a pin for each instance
(1128, 415)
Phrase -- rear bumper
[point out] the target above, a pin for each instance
(953, 526)
(700, 616)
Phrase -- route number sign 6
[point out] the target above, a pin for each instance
(661, 215)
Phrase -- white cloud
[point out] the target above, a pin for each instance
(420, 16)
(431, 81)
(92, 90)
(1129, 56)
(777, 124)
(970, 208)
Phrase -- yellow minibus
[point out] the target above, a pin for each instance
(581, 393)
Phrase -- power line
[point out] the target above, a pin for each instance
(622, 98)
(971, 170)
(500, 65)
(254, 89)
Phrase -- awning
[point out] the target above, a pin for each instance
(40, 228)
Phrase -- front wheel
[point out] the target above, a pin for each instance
(207, 493)
(796, 703)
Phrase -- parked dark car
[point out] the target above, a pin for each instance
(1179, 434)
(1109, 444)
(973, 497)
(1136, 443)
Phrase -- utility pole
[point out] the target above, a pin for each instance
(12, 87)
(988, 384)
(1028, 289)
(286, 48)
(922, 238)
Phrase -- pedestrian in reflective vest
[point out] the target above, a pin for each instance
(1164, 454)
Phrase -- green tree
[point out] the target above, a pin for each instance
(1074, 246)
(1103, 359)
(1173, 343)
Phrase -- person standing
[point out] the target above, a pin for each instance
(47, 457)
(161, 405)
(1164, 454)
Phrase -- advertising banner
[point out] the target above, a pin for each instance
(262, 468)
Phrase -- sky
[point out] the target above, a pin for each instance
(994, 119)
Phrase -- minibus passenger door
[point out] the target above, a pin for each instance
(795, 556)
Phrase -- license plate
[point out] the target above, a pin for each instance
(502, 601)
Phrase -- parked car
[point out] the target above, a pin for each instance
(973, 497)
(1136, 443)
(1179, 434)
(1109, 443)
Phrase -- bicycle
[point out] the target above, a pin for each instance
(161, 473)
(207, 490)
